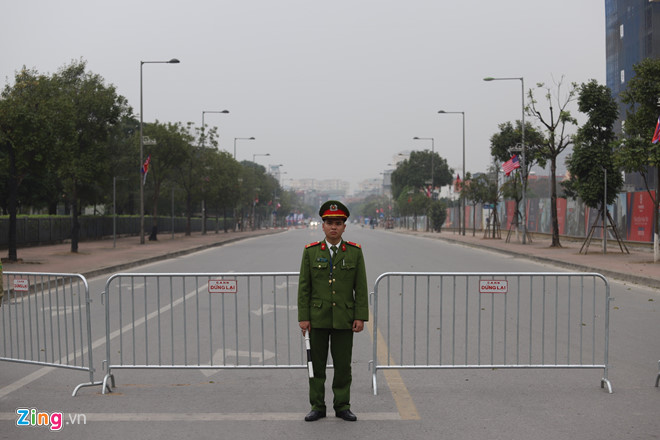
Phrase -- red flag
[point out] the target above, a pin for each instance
(457, 183)
(145, 168)
(511, 165)
(656, 133)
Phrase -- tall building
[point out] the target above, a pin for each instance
(632, 34)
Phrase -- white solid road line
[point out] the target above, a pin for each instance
(210, 417)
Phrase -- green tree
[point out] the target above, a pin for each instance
(257, 189)
(268, 189)
(371, 206)
(557, 140)
(171, 149)
(123, 156)
(637, 153)
(30, 125)
(437, 212)
(592, 154)
(189, 176)
(506, 143)
(91, 108)
(415, 172)
(223, 188)
(412, 202)
(481, 188)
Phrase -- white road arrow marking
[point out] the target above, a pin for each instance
(230, 355)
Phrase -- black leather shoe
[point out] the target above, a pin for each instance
(314, 415)
(347, 415)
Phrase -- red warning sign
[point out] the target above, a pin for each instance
(222, 286)
(21, 285)
(493, 286)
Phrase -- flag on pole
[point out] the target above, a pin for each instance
(457, 183)
(656, 133)
(511, 165)
(145, 169)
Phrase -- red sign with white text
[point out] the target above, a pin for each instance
(640, 209)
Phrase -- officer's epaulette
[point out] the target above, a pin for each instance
(354, 244)
(312, 244)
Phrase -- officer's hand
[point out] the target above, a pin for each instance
(358, 326)
(305, 326)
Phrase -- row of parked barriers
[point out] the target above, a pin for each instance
(213, 321)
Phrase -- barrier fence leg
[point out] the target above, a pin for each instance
(604, 382)
(107, 387)
(657, 379)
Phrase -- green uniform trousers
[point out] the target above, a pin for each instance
(341, 349)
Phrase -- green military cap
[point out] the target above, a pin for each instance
(334, 209)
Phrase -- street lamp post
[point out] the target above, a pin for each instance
(236, 139)
(255, 155)
(114, 211)
(274, 170)
(142, 63)
(432, 167)
(524, 163)
(462, 199)
(203, 126)
(605, 211)
(204, 146)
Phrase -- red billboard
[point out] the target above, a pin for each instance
(640, 212)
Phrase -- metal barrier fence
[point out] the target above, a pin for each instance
(441, 320)
(203, 321)
(45, 320)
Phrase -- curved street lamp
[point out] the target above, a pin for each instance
(142, 63)
(203, 126)
(245, 139)
(255, 155)
(462, 199)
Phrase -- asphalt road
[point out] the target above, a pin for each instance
(456, 404)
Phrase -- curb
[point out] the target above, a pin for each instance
(172, 254)
(635, 279)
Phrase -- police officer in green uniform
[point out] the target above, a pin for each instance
(332, 305)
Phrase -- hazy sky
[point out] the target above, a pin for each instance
(332, 89)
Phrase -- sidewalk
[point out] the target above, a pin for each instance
(636, 267)
(96, 258)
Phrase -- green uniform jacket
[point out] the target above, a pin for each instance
(333, 301)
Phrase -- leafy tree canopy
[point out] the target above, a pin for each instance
(641, 95)
(509, 140)
(416, 172)
(592, 154)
